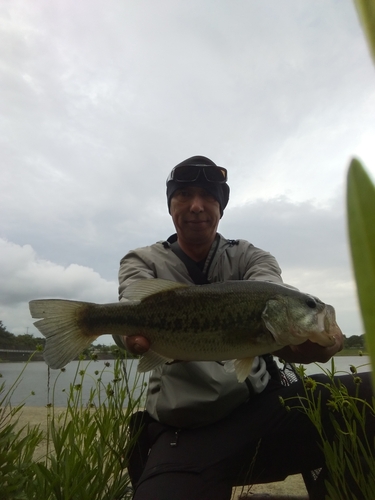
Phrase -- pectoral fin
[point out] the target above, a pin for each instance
(243, 367)
(229, 366)
(151, 360)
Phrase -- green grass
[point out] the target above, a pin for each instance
(350, 455)
(361, 215)
(86, 445)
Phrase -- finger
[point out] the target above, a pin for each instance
(137, 344)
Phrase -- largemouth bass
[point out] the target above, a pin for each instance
(221, 321)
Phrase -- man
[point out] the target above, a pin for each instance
(207, 432)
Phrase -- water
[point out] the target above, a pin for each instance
(342, 365)
(39, 385)
(35, 378)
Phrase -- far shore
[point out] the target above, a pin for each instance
(19, 359)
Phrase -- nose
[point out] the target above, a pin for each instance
(197, 204)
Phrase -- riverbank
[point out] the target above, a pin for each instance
(293, 485)
(13, 356)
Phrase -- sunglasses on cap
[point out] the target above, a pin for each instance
(191, 173)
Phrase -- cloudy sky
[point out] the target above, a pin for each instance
(99, 100)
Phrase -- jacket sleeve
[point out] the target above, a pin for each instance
(261, 265)
(132, 268)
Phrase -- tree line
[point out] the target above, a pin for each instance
(24, 342)
(27, 342)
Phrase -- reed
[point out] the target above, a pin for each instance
(350, 456)
(87, 444)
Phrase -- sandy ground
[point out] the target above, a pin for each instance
(292, 487)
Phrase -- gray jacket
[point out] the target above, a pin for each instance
(197, 393)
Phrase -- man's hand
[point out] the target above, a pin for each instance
(310, 352)
(137, 344)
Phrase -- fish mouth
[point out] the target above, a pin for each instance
(329, 329)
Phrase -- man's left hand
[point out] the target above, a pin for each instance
(310, 352)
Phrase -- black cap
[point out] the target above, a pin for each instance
(220, 191)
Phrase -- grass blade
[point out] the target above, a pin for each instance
(366, 13)
(361, 225)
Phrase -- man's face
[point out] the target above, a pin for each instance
(195, 214)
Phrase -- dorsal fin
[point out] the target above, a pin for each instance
(142, 289)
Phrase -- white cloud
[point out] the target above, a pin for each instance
(25, 277)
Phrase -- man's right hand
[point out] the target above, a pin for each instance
(136, 344)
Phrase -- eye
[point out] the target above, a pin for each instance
(311, 302)
(181, 193)
(209, 197)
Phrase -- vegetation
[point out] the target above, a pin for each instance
(86, 446)
(361, 213)
(355, 342)
(349, 458)
(19, 342)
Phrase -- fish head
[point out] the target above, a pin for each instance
(293, 319)
(331, 328)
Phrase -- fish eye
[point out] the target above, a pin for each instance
(311, 302)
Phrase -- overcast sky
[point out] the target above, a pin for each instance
(99, 100)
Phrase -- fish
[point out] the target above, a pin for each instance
(232, 320)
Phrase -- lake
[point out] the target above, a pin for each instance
(38, 384)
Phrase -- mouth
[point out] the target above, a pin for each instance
(197, 221)
(329, 329)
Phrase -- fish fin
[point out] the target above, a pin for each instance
(229, 366)
(151, 360)
(242, 368)
(64, 338)
(142, 289)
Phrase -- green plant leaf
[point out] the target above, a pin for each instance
(366, 13)
(361, 225)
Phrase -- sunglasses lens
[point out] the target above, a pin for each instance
(186, 174)
(190, 173)
(215, 174)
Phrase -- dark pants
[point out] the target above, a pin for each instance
(261, 441)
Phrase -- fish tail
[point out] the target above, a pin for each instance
(64, 336)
